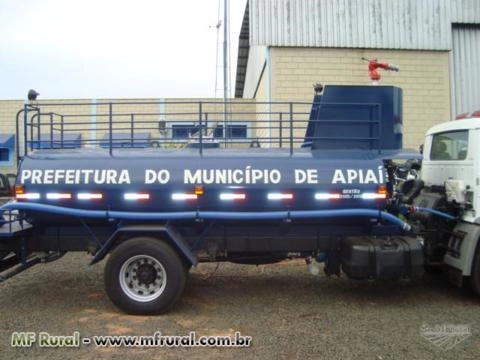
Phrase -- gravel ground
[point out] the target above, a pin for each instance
(289, 313)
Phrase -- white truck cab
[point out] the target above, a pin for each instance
(450, 159)
(451, 162)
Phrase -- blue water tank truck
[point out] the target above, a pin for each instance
(313, 181)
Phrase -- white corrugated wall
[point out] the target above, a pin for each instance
(465, 11)
(465, 68)
(380, 24)
(388, 24)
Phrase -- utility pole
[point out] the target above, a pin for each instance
(226, 25)
(226, 85)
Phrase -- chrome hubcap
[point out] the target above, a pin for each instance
(142, 278)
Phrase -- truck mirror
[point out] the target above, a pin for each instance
(420, 149)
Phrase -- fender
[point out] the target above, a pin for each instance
(167, 232)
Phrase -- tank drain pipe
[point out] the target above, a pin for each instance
(208, 215)
(412, 209)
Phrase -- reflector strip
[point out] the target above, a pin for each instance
(136, 196)
(184, 196)
(232, 196)
(59, 196)
(280, 196)
(326, 196)
(373, 196)
(28, 196)
(89, 196)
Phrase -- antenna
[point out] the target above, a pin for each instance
(222, 65)
(218, 90)
(224, 68)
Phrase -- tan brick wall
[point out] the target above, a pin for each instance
(424, 77)
(8, 111)
(273, 119)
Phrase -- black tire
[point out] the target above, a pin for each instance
(475, 278)
(433, 270)
(144, 276)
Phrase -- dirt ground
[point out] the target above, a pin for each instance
(289, 314)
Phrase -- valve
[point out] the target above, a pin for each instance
(373, 65)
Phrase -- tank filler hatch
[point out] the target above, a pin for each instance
(356, 118)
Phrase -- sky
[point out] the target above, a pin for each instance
(113, 48)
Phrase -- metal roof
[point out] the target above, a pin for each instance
(243, 50)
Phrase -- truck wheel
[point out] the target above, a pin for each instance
(144, 276)
(475, 278)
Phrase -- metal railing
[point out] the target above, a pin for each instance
(179, 124)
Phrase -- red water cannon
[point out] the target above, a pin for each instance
(373, 65)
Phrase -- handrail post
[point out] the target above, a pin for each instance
(379, 128)
(17, 133)
(206, 124)
(39, 125)
(132, 116)
(25, 132)
(31, 127)
(201, 128)
(51, 130)
(291, 128)
(61, 130)
(110, 128)
(280, 130)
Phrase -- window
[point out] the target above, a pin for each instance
(449, 146)
(234, 131)
(182, 131)
(7, 149)
(4, 154)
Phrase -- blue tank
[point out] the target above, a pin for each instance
(341, 165)
(164, 181)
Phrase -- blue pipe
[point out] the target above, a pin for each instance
(209, 215)
(435, 212)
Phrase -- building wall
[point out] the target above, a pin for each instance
(382, 24)
(415, 34)
(8, 111)
(465, 68)
(262, 108)
(255, 66)
(288, 76)
(423, 75)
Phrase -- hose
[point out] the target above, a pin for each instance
(434, 212)
(209, 215)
